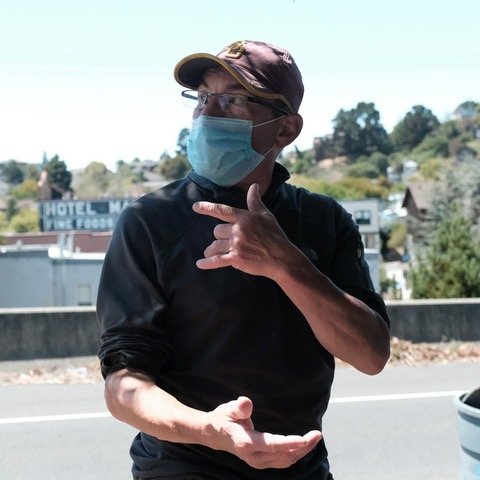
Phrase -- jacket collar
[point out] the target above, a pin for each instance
(234, 196)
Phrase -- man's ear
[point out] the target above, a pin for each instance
(290, 129)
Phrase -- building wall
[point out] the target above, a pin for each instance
(26, 279)
(75, 281)
(373, 259)
(40, 278)
(366, 214)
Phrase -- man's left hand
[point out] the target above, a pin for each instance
(251, 240)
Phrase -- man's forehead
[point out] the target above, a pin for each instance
(219, 75)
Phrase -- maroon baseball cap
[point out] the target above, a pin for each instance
(264, 70)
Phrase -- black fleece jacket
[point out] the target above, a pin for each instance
(208, 336)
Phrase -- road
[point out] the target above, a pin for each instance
(398, 425)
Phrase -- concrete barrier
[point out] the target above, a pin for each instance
(55, 332)
(435, 320)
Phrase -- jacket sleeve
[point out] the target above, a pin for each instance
(349, 269)
(130, 302)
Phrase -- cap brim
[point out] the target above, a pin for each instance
(190, 70)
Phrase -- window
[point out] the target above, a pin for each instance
(84, 294)
(362, 217)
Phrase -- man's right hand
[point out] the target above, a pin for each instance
(231, 429)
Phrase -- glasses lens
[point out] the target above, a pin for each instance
(190, 98)
(232, 102)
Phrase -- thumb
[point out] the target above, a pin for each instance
(254, 201)
(241, 409)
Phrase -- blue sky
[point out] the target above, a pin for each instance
(92, 80)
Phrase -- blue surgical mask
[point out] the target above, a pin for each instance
(220, 149)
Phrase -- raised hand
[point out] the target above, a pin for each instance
(232, 430)
(251, 240)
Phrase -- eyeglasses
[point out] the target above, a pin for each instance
(231, 103)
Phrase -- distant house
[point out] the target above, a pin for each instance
(418, 197)
(418, 201)
(366, 214)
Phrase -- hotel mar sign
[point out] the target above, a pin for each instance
(58, 215)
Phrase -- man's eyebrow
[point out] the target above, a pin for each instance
(229, 86)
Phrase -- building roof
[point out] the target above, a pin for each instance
(421, 193)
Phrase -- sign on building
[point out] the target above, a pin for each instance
(58, 215)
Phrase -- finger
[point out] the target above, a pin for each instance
(217, 247)
(239, 409)
(245, 407)
(313, 437)
(215, 261)
(217, 210)
(222, 231)
(269, 442)
(254, 202)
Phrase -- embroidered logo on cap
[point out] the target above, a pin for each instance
(236, 49)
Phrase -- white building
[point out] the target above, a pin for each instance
(43, 276)
(366, 214)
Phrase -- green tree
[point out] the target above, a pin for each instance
(58, 176)
(32, 172)
(431, 169)
(468, 116)
(363, 169)
(416, 124)
(370, 166)
(182, 142)
(93, 181)
(3, 224)
(26, 220)
(433, 145)
(450, 267)
(323, 147)
(178, 166)
(358, 188)
(11, 173)
(12, 208)
(448, 129)
(458, 190)
(397, 235)
(346, 189)
(359, 132)
(27, 189)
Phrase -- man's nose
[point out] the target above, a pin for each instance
(212, 107)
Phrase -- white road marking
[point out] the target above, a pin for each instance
(398, 396)
(54, 418)
(365, 398)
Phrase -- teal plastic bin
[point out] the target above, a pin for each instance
(468, 423)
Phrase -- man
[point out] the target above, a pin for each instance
(225, 296)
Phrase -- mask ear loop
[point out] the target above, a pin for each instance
(266, 123)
